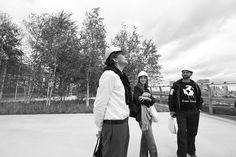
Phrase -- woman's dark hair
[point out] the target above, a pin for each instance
(110, 61)
(146, 84)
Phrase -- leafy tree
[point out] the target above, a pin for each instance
(93, 44)
(34, 25)
(130, 43)
(10, 41)
(140, 55)
(55, 45)
(150, 59)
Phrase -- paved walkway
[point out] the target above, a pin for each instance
(73, 135)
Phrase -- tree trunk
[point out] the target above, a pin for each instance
(31, 84)
(25, 91)
(16, 88)
(52, 85)
(49, 86)
(2, 78)
(70, 89)
(87, 95)
(29, 91)
(17, 80)
(48, 92)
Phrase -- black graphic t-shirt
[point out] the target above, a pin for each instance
(187, 96)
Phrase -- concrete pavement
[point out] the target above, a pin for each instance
(73, 135)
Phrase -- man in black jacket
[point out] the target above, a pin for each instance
(185, 102)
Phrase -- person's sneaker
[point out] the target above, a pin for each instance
(191, 155)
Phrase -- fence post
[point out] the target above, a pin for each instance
(210, 99)
(160, 94)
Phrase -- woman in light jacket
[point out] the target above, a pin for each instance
(143, 100)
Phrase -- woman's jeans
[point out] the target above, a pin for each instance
(147, 143)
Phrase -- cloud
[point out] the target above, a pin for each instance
(213, 58)
(200, 33)
(192, 17)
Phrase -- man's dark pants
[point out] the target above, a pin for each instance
(115, 139)
(187, 130)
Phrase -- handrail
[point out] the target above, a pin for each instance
(163, 95)
(210, 83)
(228, 100)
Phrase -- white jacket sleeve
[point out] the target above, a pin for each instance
(104, 91)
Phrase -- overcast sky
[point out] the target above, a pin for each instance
(197, 33)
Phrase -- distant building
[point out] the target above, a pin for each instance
(203, 81)
(225, 90)
(220, 91)
(202, 84)
(216, 91)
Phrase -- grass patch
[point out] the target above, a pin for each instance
(40, 107)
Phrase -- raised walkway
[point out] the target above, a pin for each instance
(73, 135)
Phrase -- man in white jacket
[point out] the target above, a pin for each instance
(111, 106)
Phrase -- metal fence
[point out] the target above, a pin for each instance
(214, 94)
